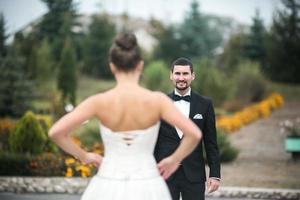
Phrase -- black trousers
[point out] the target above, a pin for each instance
(179, 184)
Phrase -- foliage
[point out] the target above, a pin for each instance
(168, 48)
(3, 36)
(228, 153)
(255, 48)
(284, 44)
(211, 82)
(6, 125)
(58, 24)
(67, 75)
(88, 133)
(198, 37)
(233, 53)
(253, 112)
(47, 164)
(45, 122)
(250, 84)
(28, 136)
(156, 76)
(15, 164)
(16, 90)
(96, 47)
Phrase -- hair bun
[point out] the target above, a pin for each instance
(126, 41)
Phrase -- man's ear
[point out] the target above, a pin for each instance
(171, 75)
(113, 68)
(193, 76)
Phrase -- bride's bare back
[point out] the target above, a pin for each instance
(128, 108)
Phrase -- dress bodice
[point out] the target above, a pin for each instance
(128, 155)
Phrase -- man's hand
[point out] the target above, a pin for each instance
(212, 185)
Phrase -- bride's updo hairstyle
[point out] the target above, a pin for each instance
(125, 52)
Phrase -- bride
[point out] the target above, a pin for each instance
(130, 117)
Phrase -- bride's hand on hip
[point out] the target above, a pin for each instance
(92, 158)
(168, 166)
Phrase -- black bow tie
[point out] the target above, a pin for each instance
(185, 98)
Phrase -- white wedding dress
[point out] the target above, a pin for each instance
(128, 170)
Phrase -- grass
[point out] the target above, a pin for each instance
(88, 86)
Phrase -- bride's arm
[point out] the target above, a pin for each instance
(59, 132)
(192, 135)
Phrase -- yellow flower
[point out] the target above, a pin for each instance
(69, 172)
(69, 161)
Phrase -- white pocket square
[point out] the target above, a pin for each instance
(198, 116)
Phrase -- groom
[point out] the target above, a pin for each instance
(189, 180)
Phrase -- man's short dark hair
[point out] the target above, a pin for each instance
(182, 61)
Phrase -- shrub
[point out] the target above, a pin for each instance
(227, 152)
(28, 136)
(156, 77)
(16, 164)
(45, 123)
(250, 84)
(12, 164)
(6, 125)
(211, 82)
(47, 164)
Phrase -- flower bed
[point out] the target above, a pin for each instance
(262, 109)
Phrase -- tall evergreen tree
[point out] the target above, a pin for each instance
(16, 90)
(96, 46)
(57, 24)
(67, 74)
(44, 64)
(255, 48)
(197, 37)
(3, 36)
(284, 44)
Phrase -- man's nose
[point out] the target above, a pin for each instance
(181, 77)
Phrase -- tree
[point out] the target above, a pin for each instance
(16, 90)
(44, 64)
(97, 44)
(233, 53)
(57, 24)
(284, 44)
(198, 37)
(3, 36)
(168, 48)
(67, 80)
(255, 45)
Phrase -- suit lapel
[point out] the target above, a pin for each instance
(173, 130)
(193, 105)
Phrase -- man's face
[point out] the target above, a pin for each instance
(182, 77)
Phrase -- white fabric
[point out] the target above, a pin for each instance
(128, 170)
(184, 108)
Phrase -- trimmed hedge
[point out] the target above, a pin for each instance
(15, 164)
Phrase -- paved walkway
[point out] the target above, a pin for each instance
(11, 196)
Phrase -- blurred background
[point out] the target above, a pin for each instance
(54, 54)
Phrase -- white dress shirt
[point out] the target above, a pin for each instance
(184, 108)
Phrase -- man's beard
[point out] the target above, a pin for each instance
(182, 88)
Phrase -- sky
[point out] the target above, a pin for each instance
(19, 13)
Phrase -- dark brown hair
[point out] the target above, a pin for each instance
(125, 52)
(182, 61)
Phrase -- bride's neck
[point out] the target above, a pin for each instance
(127, 79)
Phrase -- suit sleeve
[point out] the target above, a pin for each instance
(210, 142)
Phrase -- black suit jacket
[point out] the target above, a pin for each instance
(193, 165)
